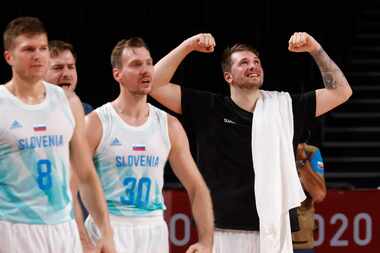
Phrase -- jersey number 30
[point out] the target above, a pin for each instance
(136, 193)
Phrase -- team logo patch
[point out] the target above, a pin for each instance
(15, 125)
(115, 142)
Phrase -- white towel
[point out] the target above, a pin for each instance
(277, 186)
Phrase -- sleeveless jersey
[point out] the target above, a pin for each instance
(34, 158)
(130, 162)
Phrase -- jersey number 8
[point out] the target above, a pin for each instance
(44, 179)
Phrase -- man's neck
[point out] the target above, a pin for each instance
(133, 109)
(30, 92)
(245, 99)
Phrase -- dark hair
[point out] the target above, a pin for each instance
(226, 56)
(19, 26)
(135, 42)
(56, 47)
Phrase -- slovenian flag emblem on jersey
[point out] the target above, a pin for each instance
(39, 128)
(138, 147)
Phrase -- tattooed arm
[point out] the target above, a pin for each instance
(337, 89)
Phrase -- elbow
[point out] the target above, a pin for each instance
(192, 192)
(319, 197)
(347, 93)
(199, 191)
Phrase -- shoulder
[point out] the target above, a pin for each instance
(198, 96)
(173, 123)
(157, 111)
(69, 97)
(274, 93)
(93, 118)
(281, 97)
(54, 90)
(175, 128)
(93, 125)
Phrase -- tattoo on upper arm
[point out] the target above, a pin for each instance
(329, 80)
(329, 70)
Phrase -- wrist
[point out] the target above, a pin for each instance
(316, 51)
(300, 164)
(106, 231)
(206, 242)
(187, 46)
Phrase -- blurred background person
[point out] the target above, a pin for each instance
(311, 173)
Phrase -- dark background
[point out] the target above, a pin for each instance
(267, 25)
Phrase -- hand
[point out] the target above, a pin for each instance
(199, 248)
(88, 247)
(303, 42)
(203, 42)
(302, 159)
(301, 152)
(105, 245)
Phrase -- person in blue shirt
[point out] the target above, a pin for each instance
(62, 69)
(311, 173)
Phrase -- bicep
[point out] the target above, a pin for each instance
(326, 100)
(169, 96)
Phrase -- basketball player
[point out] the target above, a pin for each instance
(41, 131)
(226, 128)
(131, 141)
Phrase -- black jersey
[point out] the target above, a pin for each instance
(222, 132)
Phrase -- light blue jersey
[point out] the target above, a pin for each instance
(130, 162)
(34, 158)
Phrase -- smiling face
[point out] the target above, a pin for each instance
(136, 71)
(246, 71)
(62, 70)
(28, 56)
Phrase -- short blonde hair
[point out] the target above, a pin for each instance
(22, 26)
(135, 42)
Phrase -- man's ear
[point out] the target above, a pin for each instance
(227, 77)
(8, 57)
(116, 73)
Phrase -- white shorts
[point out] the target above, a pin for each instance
(39, 238)
(227, 241)
(135, 234)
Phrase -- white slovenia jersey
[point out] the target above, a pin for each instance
(34, 158)
(130, 162)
